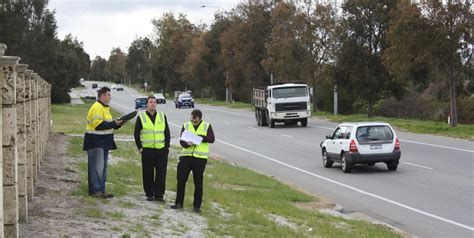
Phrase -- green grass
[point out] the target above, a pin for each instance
(244, 194)
(417, 126)
(237, 105)
(71, 119)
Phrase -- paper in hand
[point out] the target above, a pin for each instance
(190, 137)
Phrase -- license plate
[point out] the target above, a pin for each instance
(376, 147)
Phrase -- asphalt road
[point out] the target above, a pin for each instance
(430, 195)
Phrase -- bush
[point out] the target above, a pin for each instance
(466, 110)
(413, 106)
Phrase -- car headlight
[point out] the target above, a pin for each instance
(192, 100)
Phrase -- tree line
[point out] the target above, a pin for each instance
(29, 29)
(385, 57)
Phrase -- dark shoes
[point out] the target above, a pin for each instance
(197, 209)
(102, 195)
(159, 199)
(176, 206)
(150, 198)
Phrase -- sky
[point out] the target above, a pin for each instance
(103, 24)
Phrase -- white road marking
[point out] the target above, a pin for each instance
(351, 187)
(251, 127)
(344, 185)
(439, 146)
(414, 142)
(235, 113)
(286, 135)
(417, 165)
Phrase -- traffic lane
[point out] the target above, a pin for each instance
(377, 185)
(352, 201)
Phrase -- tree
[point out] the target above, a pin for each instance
(29, 30)
(115, 66)
(195, 70)
(435, 35)
(98, 71)
(319, 39)
(138, 63)
(285, 51)
(363, 43)
(243, 49)
(173, 39)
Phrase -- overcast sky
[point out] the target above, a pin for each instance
(103, 24)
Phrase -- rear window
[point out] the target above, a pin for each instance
(374, 133)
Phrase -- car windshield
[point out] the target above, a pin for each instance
(290, 92)
(185, 96)
(374, 133)
(141, 99)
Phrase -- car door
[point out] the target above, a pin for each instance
(331, 146)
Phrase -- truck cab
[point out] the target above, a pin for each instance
(288, 103)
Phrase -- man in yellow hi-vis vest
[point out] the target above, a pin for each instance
(152, 136)
(193, 158)
(98, 140)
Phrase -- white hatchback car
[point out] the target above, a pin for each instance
(361, 143)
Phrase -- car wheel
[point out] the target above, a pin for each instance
(392, 166)
(327, 163)
(263, 118)
(304, 122)
(346, 167)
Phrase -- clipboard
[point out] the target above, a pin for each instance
(128, 116)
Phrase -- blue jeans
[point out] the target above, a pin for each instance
(97, 169)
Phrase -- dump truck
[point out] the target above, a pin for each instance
(288, 103)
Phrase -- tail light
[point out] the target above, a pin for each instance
(397, 145)
(353, 146)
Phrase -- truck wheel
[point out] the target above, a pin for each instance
(304, 122)
(272, 123)
(259, 118)
(263, 118)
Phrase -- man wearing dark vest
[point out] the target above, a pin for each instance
(193, 158)
(152, 136)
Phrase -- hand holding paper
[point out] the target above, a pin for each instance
(190, 137)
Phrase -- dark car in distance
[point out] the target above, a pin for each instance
(140, 102)
(94, 86)
(184, 100)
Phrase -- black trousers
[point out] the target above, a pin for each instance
(187, 164)
(154, 165)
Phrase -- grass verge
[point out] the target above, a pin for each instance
(71, 119)
(462, 131)
(417, 126)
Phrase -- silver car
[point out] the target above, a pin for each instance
(361, 143)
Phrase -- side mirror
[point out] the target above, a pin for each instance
(328, 137)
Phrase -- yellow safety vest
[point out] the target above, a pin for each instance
(96, 115)
(201, 150)
(152, 135)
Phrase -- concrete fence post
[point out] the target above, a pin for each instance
(21, 142)
(29, 134)
(9, 145)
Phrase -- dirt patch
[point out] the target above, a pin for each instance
(315, 205)
(54, 212)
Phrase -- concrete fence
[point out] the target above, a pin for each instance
(26, 111)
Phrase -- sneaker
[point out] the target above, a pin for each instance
(150, 198)
(107, 195)
(98, 195)
(176, 206)
(197, 209)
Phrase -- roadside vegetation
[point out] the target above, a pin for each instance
(238, 202)
(72, 118)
